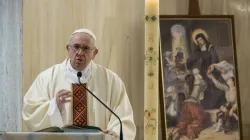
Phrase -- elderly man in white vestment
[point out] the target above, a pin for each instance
(48, 101)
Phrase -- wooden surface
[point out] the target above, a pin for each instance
(194, 8)
(119, 27)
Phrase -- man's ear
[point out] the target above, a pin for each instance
(95, 53)
(67, 47)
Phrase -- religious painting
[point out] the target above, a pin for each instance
(200, 92)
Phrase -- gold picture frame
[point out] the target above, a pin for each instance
(199, 87)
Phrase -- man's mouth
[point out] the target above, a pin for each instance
(79, 59)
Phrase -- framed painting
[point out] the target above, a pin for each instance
(200, 92)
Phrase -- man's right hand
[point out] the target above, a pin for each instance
(62, 97)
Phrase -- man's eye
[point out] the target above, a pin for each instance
(76, 47)
(86, 48)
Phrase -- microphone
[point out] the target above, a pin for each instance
(79, 75)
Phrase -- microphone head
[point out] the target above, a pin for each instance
(79, 74)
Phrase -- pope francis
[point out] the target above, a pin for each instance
(48, 101)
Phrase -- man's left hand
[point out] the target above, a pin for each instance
(112, 133)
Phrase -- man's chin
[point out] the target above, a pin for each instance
(79, 66)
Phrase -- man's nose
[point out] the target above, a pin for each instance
(80, 51)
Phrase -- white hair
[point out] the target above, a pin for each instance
(86, 31)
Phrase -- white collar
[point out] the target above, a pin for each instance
(71, 73)
(203, 48)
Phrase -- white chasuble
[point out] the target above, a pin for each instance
(40, 110)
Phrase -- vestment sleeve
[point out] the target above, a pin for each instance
(38, 109)
(121, 106)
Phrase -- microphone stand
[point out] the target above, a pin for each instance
(121, 134)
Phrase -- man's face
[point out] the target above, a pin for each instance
(171, 92)
(200, 41)
(81, 50)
